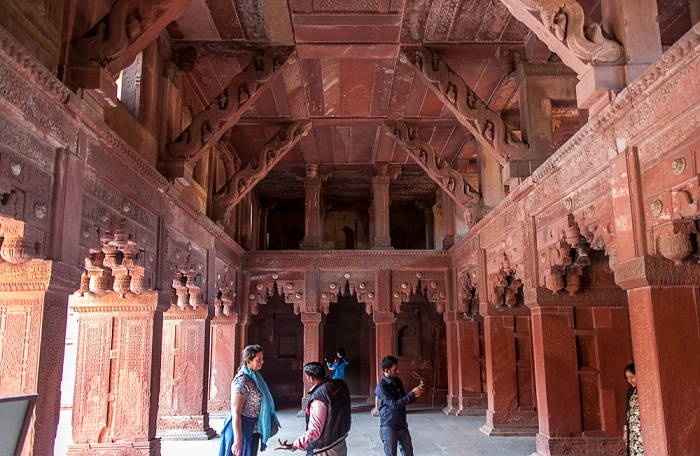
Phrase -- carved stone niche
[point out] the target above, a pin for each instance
(503, 285)
(408, 284)
(565, 260)
(678, 245)
(15, 246)
(263, 289)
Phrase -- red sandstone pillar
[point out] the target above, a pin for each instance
(33, 312)
(448, 219)
(464, 396)
(635, 24)
(312, 208)
(182, 412)
(380, 206)
(117, 372)
(223, 354)
(313, 344)
(511, 408)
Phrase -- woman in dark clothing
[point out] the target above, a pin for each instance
(632, 433)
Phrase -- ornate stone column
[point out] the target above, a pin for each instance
(33, 312)
(510, 387)
(380, 208)
(182, 413)
(119, 355)
(312, 208)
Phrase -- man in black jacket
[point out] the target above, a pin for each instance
(327, 415)
(393, 427)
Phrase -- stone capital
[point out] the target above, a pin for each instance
(311, 318)
(649, 271)
(148, 301)
(383, 318)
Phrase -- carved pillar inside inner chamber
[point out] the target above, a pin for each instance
(464, 395)
(312, 208)
(448, 220)
(182, 413)
(33, 313)
(510, 384)
(223, 366)
(380, 206)
(313, 344)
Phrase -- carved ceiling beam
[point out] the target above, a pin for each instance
(486, 125)
(564, 28)
(244, 180)
(126, 30)
(208, 126)
(450, 180)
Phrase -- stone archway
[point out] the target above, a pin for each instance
(347, 325)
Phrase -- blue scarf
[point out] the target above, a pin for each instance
(267, 408)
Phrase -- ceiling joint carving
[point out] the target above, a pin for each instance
(486, 125)
(129, 27)
(449, 179)
(209, 125)
(243, 181)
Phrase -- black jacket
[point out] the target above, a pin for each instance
(336, 395)
(392, 403)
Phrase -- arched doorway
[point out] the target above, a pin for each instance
(347, 325)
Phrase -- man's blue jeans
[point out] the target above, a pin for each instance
(390, 437)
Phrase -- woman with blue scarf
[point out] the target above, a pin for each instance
(253, 419)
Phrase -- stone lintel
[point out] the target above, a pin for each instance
(39, 275)
(656, 271)
(519, 168)
(487, 309)
(148, 448)
(148, 301)
(176, 313)
(594, 297)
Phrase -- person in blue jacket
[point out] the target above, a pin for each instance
(338, 366)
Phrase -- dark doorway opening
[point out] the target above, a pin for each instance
(347, 325)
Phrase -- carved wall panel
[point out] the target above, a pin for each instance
(431, 285)
(291, 285)
(336, 284)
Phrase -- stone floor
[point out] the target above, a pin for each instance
(433, 434)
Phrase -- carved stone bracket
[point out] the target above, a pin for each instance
(262, 290)
(225, 294)
(15, 247)
(450, 180)
(504, 286)
(566, 260)
(570, 25)
(126, 30)
(468, 303)
(486, 125)
(222, 113)
(244, 180)
(428, 286)
(676, 246)
(113, 268)
(563, 27)
(187, 294)
(361, 285)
